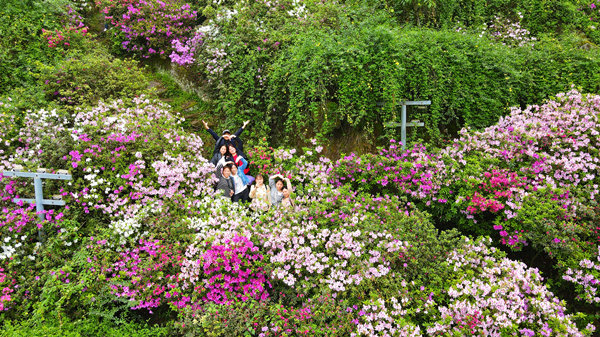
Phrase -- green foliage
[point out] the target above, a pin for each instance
(346, 74)
(87, 327)
(83, 80)
(469, 80)
(540, 16)
(22, 49)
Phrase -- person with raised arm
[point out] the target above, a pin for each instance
(287, 201)
(276, 182)
(228, 139)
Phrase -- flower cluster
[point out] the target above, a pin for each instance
(19, 222)
(376, 320)
(217, 63)
(7, 285)
(183, 52)
(328, 247)
(501, 296)
(73, 25)
(145, 275)
(261, 157)
(117, 178)
(414, 172)
(587, 278)
(148, 27)
(509, 33)
(231, 272)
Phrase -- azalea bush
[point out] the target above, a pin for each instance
(146, 28)
(531, 179)
(73, 27)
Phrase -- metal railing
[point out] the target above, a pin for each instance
(39, 190)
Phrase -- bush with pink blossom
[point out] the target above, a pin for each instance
(147, 28)
(531, 179)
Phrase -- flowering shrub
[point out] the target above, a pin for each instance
(322, 316)
(6, 288)
(532, 178)
(145, 275)
(183, 52)
(73, 26)
(261, 157)
(112, 170)
(509, 33)
(414, 172)
(586, 278)
(376, 321)
(231, 272)
(145, 232)
(148, 27)
(485, 303)
(19, 223)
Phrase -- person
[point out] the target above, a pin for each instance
(276, 184)
(260, 194)
(287, 200)
(241, 185)
(219, 155)
(228, 139)
(226, 183)
(240, 161)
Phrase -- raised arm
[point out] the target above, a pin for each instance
(240, 130)
(219, 171)
(272, 181)
(244, 163)
(288, 184)
(213, 134)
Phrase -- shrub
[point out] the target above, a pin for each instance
(86, 79)
(78, 328)
(147, 28)
(343, 73)
(529, 180)
(232, 272)
(21, 48)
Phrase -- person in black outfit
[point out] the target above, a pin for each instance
(217, 156)
(228, 139)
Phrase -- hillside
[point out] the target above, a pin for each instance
(485, 223)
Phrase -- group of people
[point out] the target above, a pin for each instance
(236, 183)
